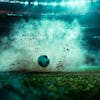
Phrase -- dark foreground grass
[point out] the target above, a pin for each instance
(47, 86)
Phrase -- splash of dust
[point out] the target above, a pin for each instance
(57, 39)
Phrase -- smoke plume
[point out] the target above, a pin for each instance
(57, 39)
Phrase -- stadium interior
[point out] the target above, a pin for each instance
(49, 49)
(86, 12)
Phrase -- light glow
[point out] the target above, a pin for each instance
(77, 3)
(54, 4)
(44, 3)
(35, 3)
(26, 3)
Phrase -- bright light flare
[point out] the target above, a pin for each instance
(77, 3)
(35, 3)
(26, 3)
(78, 6)
(44, 3)
(62, 3)
(54, 4)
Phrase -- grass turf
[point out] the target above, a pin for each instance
(46, 86)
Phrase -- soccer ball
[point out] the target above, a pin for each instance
(43, 61)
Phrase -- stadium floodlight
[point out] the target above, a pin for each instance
(35, 3)
(45, 3)
(70, 3)
(77, 3)
(62, 3)
(77, 6)
(54, 4)
(26, 3)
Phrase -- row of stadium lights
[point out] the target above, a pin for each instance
(36, 3)
(76, 2)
